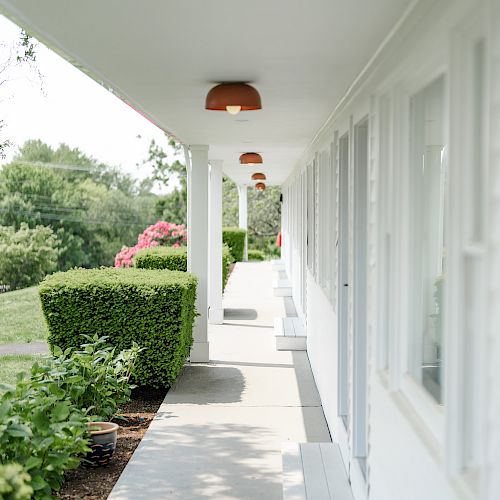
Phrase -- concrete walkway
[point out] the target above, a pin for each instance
(219, 432)
(27, 348)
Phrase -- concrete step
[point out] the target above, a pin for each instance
(282, 288)
(290, 334)
(278, 265)
(314, 471)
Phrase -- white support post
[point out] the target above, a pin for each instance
(198, 245)
(243, 214)
(215, 310)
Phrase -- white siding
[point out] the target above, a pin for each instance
(416, 448)
(492, 435)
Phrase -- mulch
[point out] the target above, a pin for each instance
(96, 484)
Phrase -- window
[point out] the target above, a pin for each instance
(343, 276)
(385, 208)
(360, 290)
(427, 264)
(311, 218)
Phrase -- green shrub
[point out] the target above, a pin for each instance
(41, 430)
(162, 257)
(175, 259)
(227, 260)
(234, 238)
(266, 244)
(154, 309)
(94, 379)
(14, 483)
(43, 419)
(256, 255)
(26, 255)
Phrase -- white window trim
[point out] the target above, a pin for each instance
(469, 256)
(427, 410)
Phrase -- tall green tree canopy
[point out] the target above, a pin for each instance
(94, 209)
(264, 214)
(166, 168)
(18, 54)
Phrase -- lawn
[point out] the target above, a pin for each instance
(11, 364)
(21, 318)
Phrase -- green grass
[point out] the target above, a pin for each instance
(11, 364)
(21, 318)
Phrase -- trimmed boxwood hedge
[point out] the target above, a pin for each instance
(175, 259)
(154, 309)
(234, 238)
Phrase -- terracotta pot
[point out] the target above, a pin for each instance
(102, 443)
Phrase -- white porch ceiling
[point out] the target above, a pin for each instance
(162, 56)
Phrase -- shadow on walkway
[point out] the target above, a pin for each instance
(202, 461)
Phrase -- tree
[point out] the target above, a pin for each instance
(18, 54)
(92, 208)
(264, 215)
(264, 212)
(172, 206)
(26, 255)
(163, 171)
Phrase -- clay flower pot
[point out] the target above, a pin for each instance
(102, 443)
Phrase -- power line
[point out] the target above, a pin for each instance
(49, 216)
(79, 210)
(141, 202)
(60, 166)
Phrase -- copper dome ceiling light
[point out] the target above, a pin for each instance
(260, 186)
(233, 98)
(250, 159)
(258, 177)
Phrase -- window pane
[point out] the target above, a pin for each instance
(427, 255)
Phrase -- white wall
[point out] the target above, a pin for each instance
(401, 464)
(322, 350)
(417, 449)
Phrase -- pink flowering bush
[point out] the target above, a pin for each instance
(159, 234)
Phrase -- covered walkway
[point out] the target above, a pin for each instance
(220, 430)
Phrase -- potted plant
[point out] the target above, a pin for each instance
(96, 380)
(102, 442)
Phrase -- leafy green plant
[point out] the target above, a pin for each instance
(41, 430)
(43, 419)
(234, 238)
(227, 260)
(154, 309)
(95, 379)
(14, 482)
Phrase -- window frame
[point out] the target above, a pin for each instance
(427, 410)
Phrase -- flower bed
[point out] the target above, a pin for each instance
(44, 418)
(160, 234)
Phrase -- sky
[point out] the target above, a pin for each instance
(67, 106)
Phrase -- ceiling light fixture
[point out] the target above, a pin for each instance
(250, 158)
(260, 186)
(258, 177)
(233, 98)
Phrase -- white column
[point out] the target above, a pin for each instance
(243, 214)
(198, 245)
(215, 310)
